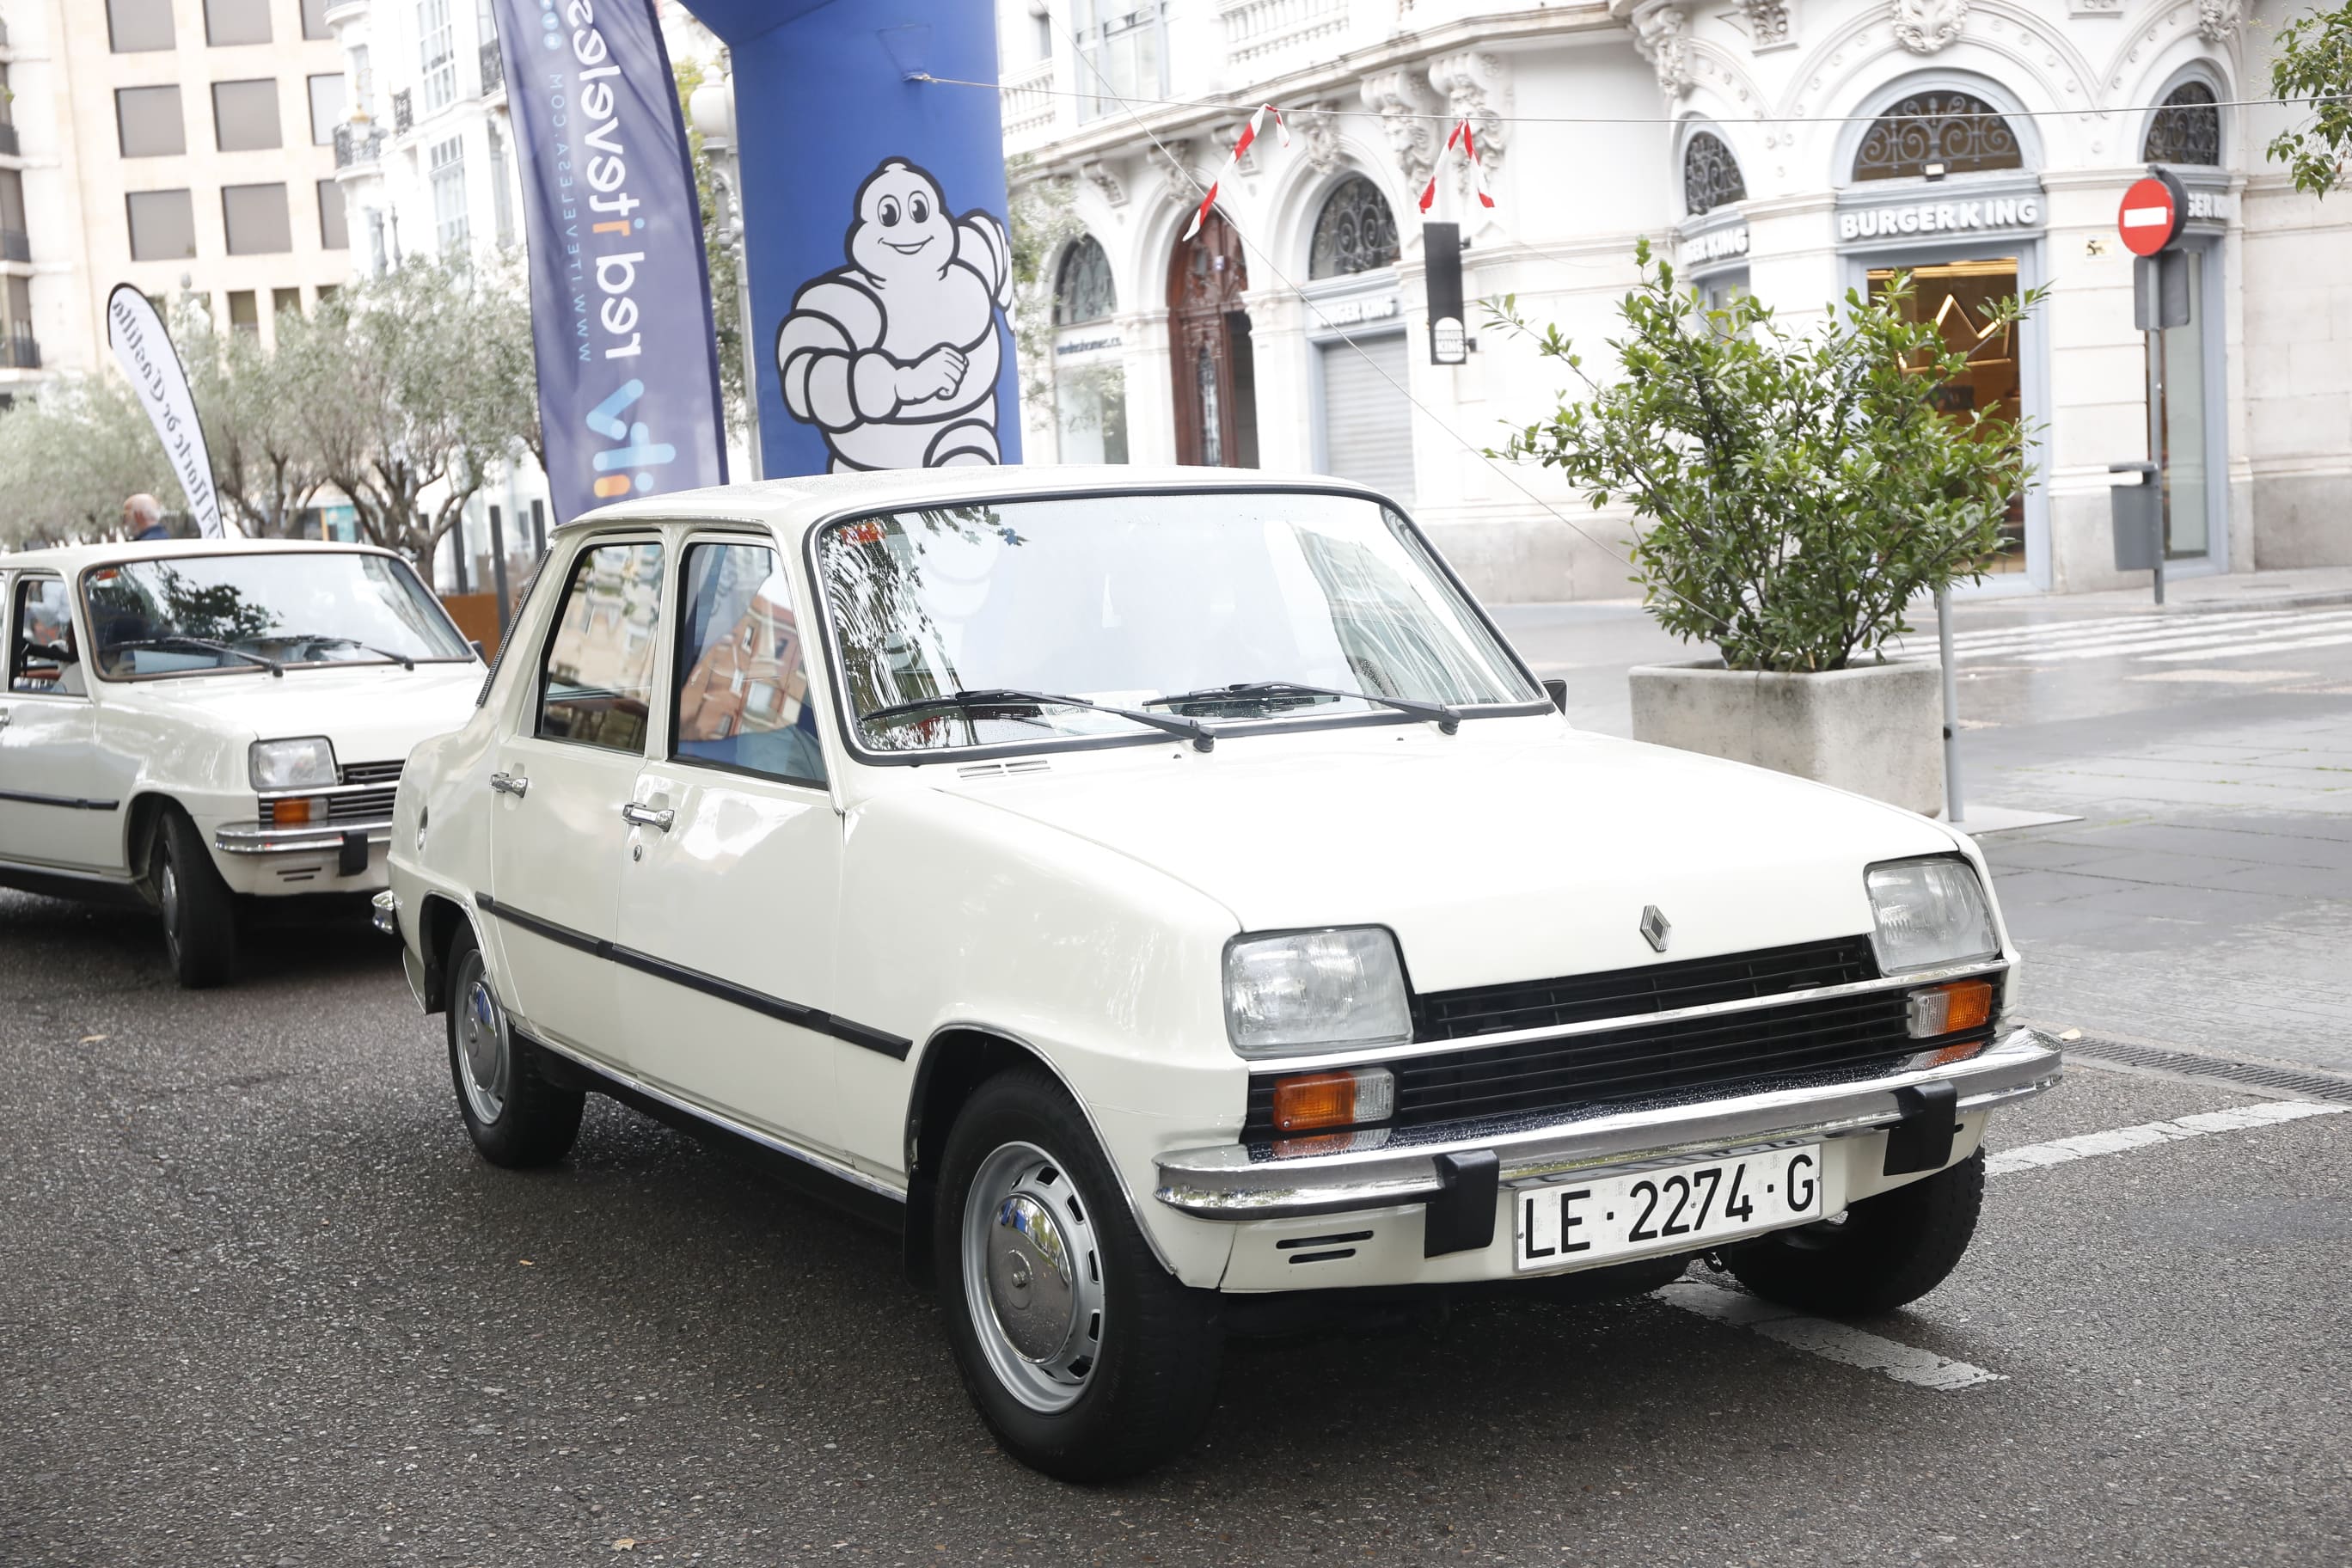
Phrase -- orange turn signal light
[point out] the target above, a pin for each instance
(1949, 1009)
(1306, 1101)
(298, 813)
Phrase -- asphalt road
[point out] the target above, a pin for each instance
(260, 1304)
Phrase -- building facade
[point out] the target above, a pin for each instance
(1794, 149)
(182, 146)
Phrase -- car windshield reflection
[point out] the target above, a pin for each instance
(1224, 608)
(191, 615)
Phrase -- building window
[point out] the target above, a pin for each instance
(16, 244)
(245, 115)
(1083, 290)
(332, 233)
(326, 108)
(363, 92)
(436, 42)
(230, 22)
(1711, 176)
(256, 219)
(449, 164)
(1122, 53)
(501, 196)
(148, 122)
(1937, 133)
(244, 314)
(285, 302)
(2186, 129)
(163, 225)
(1355, 232)
(314, 19)
(133, 26)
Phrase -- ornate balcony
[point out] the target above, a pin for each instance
(494, 69)
(1258, 32)
(19, 350)
(357, 146)
(1029, 100)
(404, 117)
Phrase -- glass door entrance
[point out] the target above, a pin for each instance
(2176, 388)
(1953, 295)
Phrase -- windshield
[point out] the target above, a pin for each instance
(189, 614)
(1157, 602)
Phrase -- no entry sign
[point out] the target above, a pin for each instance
(2152, 214)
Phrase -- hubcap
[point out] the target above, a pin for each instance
(168, 895)
(485, 1049)
(1032, 1277)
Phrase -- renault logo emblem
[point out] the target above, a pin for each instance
(1654, 929)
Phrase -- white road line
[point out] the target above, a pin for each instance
(2226, 642)
(2107, 639)
(2268, 1113)
(2256, 648)
(2123, 626)
(1834, 1342)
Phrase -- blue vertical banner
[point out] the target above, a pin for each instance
(875, 230)
(620, 291)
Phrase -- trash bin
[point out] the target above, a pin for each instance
(2138, 517)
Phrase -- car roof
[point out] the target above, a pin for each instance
(74, 557)
(792, 506)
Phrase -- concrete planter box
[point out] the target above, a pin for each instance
(1877, 730)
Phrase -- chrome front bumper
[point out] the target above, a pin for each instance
(299, 840)
(1239, 1182)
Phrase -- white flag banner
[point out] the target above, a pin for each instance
(144, 351)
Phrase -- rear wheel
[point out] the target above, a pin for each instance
(1885, 1252)
(198, 910)
(516, 1117)
(1086, 1357)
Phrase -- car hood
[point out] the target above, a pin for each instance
(372, 713)
(1492, 857)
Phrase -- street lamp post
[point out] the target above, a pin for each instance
(712, 108)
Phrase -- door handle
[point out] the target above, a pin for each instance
(510, 784)
(646, 816)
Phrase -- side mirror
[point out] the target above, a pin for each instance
(476, 643)
(1557, 692)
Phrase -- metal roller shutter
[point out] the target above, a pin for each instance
(1367, 423)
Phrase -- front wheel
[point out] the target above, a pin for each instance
(1885, 1252)
(1086, 1357)
(514, 1115)
(198, 910)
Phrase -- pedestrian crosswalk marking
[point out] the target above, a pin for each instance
(2238, 1118)
(1832, 1341)
(2157, 638)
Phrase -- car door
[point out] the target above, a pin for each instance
(60, 804)
(730, 912)
(563, 771)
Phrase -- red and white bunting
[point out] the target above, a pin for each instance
(1248, 135)
(1469, 144)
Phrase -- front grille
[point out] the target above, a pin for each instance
(1651, 988)
(370, 773)
(367, 804)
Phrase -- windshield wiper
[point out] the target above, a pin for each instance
(1191, 730)
(1448, 719)
(401, 659)
(206, 644)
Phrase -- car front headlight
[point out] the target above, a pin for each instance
(1314, 990)
(1928, 913)
(306, 763)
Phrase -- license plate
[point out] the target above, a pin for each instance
(1677, 1209)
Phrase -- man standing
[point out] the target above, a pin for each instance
(142, 517)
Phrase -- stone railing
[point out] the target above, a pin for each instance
(1258, 30)
(1029, 104)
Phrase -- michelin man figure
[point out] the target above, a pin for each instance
(894, 357)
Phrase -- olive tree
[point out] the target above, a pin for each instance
(1797, 491)
(70, 457)
(264, 468)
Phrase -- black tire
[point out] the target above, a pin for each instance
(200, 914)
(1889, 1251)
(1144, 1380)
(515, 1115)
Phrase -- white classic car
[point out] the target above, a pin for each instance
(188, 723)
(1163, 891)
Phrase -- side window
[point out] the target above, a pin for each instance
(596, 683)
(43, 658)
(742, 687)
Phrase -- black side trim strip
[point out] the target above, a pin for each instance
(895, 1046)
(66, 801)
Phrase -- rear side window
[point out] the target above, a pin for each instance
(597, 679)
(742, 699)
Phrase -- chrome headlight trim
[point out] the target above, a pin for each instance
(1930, 912)
(1331, 988)
(303, 761)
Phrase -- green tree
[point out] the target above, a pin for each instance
(2314, 66)
(1797, 491)
(411, 390)
(1042, 223)
(68, 458)
(264, 467)
(726, 272)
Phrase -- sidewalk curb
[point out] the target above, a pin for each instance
(2318, 598)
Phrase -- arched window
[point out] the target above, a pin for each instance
(1939, 133)
(1710, 176)
(1355, 232)
(2186, 129)
(1083, 290)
